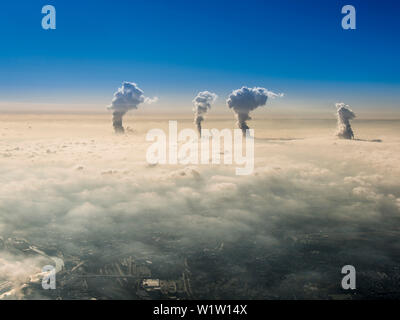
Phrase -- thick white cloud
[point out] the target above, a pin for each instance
(244, 100)
(94, 192)
(128, 97)
(202, 102)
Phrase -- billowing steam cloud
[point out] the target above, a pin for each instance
(344, 115)
(244, 100)
(128, 97)
(202, 102)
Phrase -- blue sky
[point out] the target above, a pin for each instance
(173, 49)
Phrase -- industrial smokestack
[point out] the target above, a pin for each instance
(117, 121)
(344, 115)
(202, 102)
(244, 100)
(128, 97)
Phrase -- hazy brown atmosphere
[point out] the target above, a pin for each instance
(74, 190)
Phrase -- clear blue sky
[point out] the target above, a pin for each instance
(173, 49)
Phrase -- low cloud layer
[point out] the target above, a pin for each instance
(310, 207)
(244, 100)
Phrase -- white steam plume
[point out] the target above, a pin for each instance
(202, 102)
(244, 100)
(344, 115)
(128, 97)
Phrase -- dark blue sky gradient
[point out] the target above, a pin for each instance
(175, 48)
